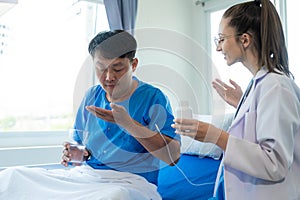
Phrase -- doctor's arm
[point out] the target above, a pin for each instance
(201, 131)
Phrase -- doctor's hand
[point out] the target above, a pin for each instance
(201, 131)
(230, 94)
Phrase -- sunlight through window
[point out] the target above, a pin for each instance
(43, 46)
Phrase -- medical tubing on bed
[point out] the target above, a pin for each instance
(169, 152)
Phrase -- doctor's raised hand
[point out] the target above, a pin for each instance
(230, 94)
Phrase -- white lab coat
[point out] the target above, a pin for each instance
(262, 158)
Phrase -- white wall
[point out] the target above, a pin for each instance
(170, 37)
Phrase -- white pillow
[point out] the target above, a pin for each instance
(202, 149)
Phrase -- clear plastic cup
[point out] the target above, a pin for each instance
(77, 149)
(77, 153)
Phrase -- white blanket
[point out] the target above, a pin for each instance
(22, 183)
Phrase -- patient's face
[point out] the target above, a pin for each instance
(115, 76)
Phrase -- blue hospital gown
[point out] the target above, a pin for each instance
(114, 148)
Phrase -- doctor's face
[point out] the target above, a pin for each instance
(115, 75)
(228, 43)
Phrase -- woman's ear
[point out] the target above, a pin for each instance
(246, 40)
(134, 64)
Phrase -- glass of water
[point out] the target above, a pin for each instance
(77, 149)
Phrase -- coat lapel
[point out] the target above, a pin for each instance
(247, 103)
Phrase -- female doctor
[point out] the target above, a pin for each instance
(261, 148)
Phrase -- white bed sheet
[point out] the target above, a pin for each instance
(79, 183)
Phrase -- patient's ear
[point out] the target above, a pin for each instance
(134, 64)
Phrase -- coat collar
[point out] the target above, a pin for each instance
(260, 75)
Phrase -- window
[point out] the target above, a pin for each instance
(43, 47)
(292, 38)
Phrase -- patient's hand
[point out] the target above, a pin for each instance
(118, 115)
(101, 113)
(67, 156)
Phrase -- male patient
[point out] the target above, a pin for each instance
(129, 127)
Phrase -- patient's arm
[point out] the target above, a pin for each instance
(161, 146)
